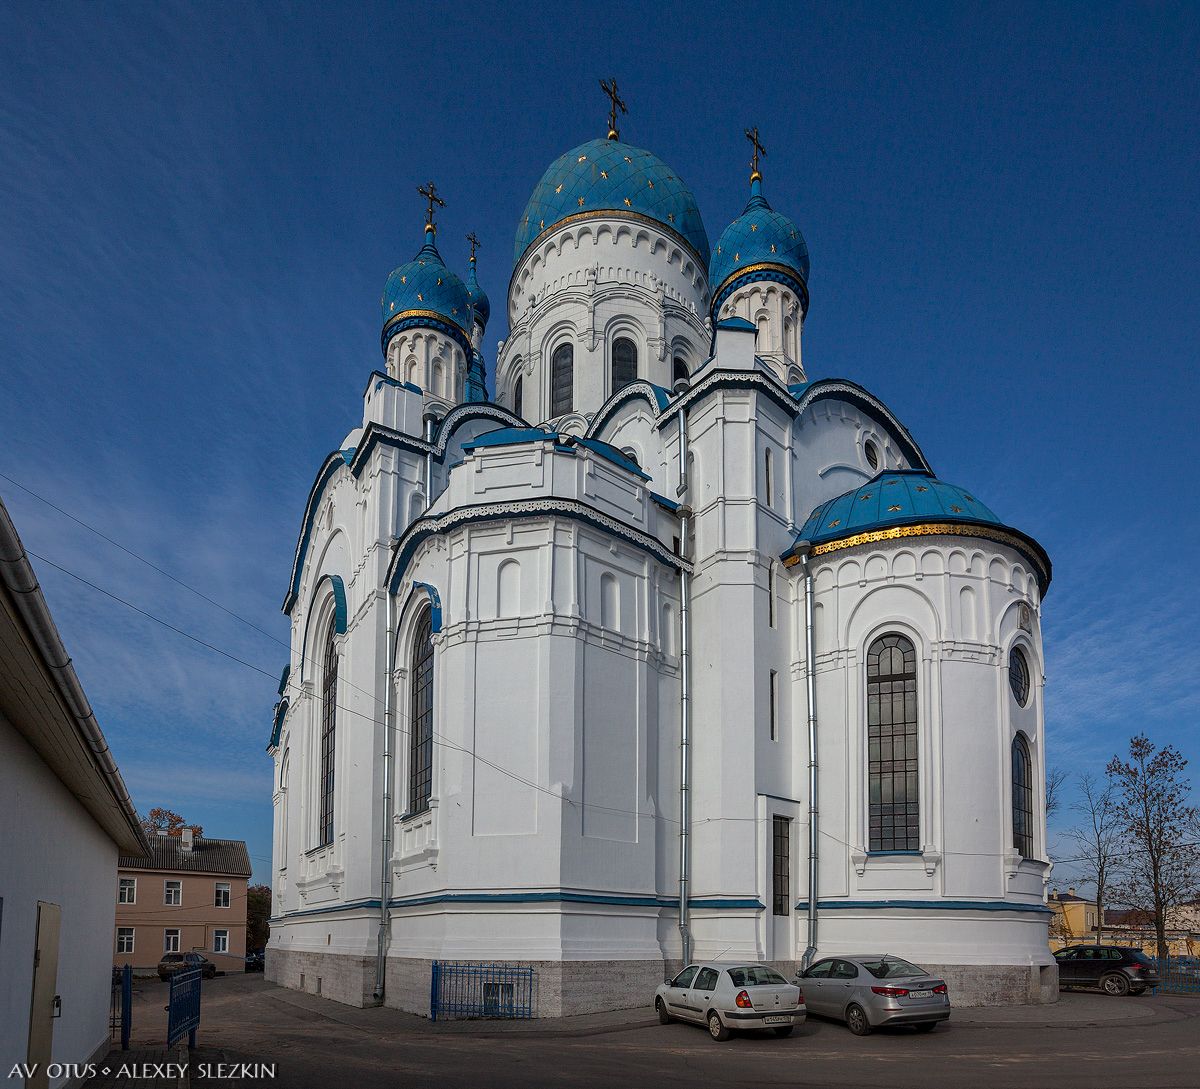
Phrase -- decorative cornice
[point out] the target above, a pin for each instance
(764, 270)
(425, 319)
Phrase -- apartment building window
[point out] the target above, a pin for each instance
(170, 941)
(222, 896)
(127, 890)
(124, 939)
(781, 866)
(220, 941)
(173, 893)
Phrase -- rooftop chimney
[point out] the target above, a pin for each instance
(185, 840)
(1070, 891)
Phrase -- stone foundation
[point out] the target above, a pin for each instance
(572, 987)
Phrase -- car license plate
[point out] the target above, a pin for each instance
(777, 1020)
(920, 994)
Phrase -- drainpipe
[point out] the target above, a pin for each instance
(385, 840)
(803, 550)
(685, 695)
(430, 418)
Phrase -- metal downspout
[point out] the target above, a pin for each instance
(385, 840)
(813, 814)
(685, 695)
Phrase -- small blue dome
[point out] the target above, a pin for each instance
(893, 498)
(763, 241)
(607, 175)
(479, 299)
(425, 292)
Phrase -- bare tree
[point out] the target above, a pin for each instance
(1055, 777)
(1097, 839)
(1161, 868)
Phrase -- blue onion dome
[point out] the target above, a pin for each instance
(911, 502)
(611, 176)
(761, 244)
(479, 299)
(424, 292)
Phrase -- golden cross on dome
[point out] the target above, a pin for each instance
(752, 136)
(609, 87)
(429, 192)
(474, 245)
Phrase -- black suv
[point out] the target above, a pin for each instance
(1115, 969)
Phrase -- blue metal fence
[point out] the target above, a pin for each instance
(458, 989)
(1179, 975)
(183, 1007)
(120, 1005)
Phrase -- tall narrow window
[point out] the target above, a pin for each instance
(420, 740)
(893, 789)
(519, 398)
(771, 580)
(1022, 796)
(768, 481)
(328, 738)
(680, 370)
(624, 363)
(773, 700)
(781, 866)
(562, 379)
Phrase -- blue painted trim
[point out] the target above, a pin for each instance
(664, 502)
(925, 905)
(281, 709)
(740, 325)
(332, 464)
(339, 608)
(656, 397)
(380, 379)
(353, 906)
(283, 680)
(762, 275)
(421, 321)
(435, 602)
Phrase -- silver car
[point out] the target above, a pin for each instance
(870, 991)
(725, 997)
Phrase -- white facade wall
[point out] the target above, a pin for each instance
(55, 852)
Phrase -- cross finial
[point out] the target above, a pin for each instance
(429, 192)
(609, 87)
(758, 150)
(474, 245)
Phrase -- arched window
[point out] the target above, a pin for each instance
(518, 398)
(284, 774)
(1022, 796)
(329, 679)
(562, 379)
(1018, 676)
(624, 363)
(680, 370)
(892, 778)
(420, 738)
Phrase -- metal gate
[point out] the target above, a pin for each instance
(183, 1008)
(1179, 975)
(120, 1005)
(458, 989)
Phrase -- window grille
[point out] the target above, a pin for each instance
(420, 762)
(892, 767)
(1022, 796)
(562, 380)
(624, 363)
(781, 866)
(328, 738)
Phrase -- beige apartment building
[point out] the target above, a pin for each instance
(189, 896)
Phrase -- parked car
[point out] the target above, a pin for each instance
(178, 962)
(870, 991)
(255, 961)
(1115, 969)
(727, 997)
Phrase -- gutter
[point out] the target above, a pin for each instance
(685, 700)
(385, 839)
(802, 550)
(18, 576)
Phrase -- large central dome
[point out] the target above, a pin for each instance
(610, 176)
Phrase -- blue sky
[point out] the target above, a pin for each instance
(199, 206)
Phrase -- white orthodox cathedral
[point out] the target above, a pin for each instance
(667, 652)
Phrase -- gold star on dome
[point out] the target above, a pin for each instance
(420, 297)
(922, 488)
(541, 224)
(650, 183)
(421, 262)
(628, 203)
(404, 279)
(968, 498)
(629, 160)
(392, 307)
(772, 247)
(454, 310)
(581, 159)
(558, 187)
(439, 283)
(793, 234)
(718, 249)
(864, 498)
(604, 173)
(737, 256)
(955, 510)
(835, 523)
(754, 226)
(581, 202)
(895, 506)
(889, 483)
(671, 216)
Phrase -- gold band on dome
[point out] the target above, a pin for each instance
(613, 213)
(423, 314)
(923, 529)
(762, 266)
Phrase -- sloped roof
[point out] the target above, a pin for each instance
(224, 856)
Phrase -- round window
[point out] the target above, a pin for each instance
(872, 453)
(1018, 675)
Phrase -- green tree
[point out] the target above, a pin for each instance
(1161, 868)
(258, 915)
(159, 819)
